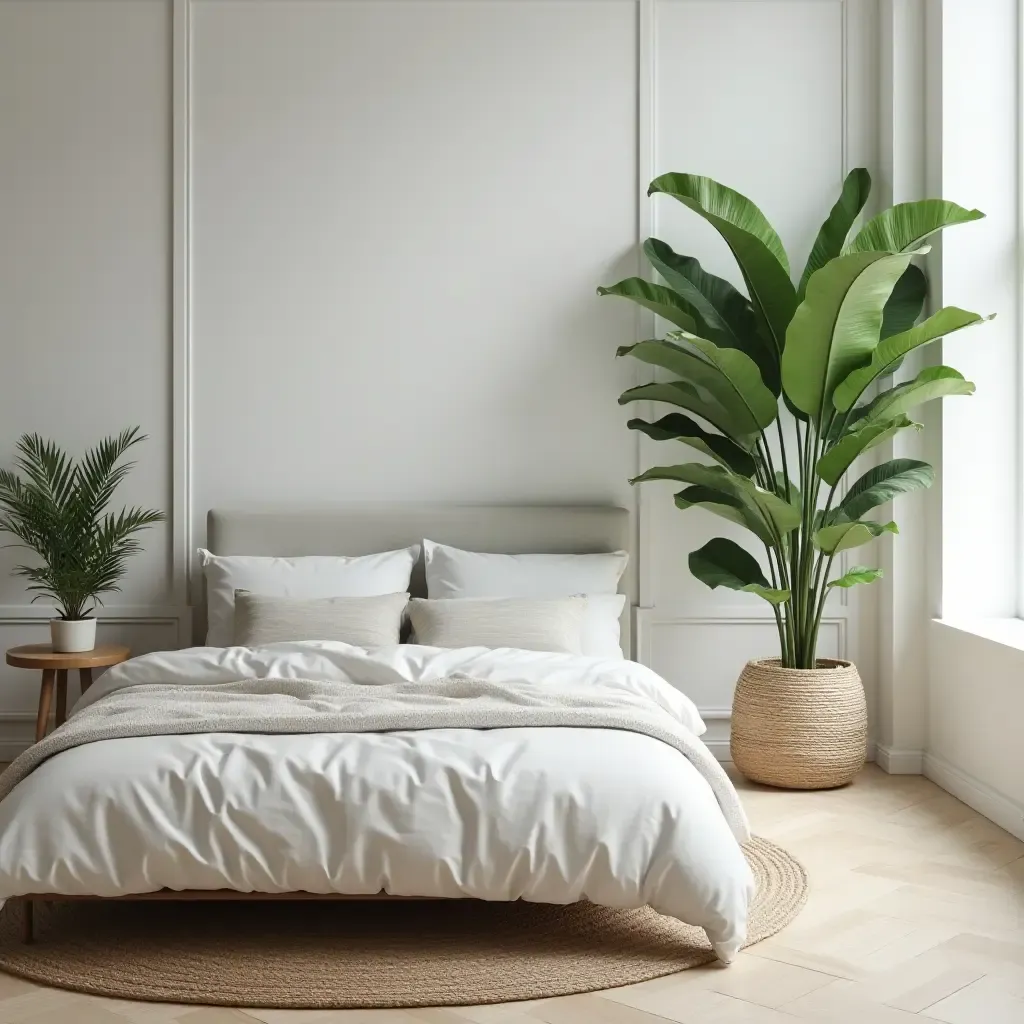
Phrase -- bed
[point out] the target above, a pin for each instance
(320, 770)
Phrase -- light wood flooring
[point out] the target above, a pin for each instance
(916, 914)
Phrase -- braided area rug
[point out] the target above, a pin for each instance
(371, 954)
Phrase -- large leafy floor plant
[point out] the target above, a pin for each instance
(810, 352)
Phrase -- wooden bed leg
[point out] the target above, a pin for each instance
(26, 920)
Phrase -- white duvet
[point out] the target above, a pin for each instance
(551, 814)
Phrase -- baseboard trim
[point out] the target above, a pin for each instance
(720, 748)
(900, 762)
(11, 749)
(17, 732)
(996, 806)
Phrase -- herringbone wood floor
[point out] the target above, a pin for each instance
(916, 914)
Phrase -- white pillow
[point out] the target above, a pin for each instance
(554, 624)
(452, 572)
(309, 576)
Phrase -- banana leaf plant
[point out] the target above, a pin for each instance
(819, 353)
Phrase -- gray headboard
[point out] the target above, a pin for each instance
(364, 529)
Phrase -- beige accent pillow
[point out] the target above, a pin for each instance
(528, 623)
(361, 621)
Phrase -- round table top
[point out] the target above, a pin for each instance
(44, 656)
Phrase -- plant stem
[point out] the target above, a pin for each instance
(819, 595)
(766, 448)
(793, 611)
(785, 638)
(811, 566)
(783, 646)
(761, 472)
(812, 587)
(790, 651)
(799, 448)
(766, 477)
(801, 555)
(782, 456)
(821, 609)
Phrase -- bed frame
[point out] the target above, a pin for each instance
(363, 530)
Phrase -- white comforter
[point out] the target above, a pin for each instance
(546, 814)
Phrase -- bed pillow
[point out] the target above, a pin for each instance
(529, 624)
(360, 621)
(452, 572)
(308, 576)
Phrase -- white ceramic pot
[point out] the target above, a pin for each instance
(68, 635)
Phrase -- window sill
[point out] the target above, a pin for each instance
(1006, 632)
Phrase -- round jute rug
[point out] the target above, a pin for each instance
(371, 954)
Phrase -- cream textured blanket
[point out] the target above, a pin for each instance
(276, 706)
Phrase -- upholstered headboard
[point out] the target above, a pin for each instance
(364, 529)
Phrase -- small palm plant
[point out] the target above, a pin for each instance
(57, 508)
(810, 352)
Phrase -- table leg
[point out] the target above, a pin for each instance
(26, 920)
(85, 678)
(45, 696)
(62, 696)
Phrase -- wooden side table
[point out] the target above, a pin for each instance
(54, 666)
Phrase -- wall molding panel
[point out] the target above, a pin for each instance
(181, 305)
(698, 639)
(236, 142)
(89, 217)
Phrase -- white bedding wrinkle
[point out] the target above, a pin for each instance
(324, 659)
(552, 814)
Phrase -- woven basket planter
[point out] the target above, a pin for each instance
(799, 728)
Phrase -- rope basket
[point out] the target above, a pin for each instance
(799, 728)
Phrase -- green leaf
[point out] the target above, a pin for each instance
(656, 297)
(740, 370)
(754, 243)
(723, 314)
(906, 302)
(841, 536)
(773, 509)
(890, 352)
(677, 427)
(858, 574)
(723, 563)
(793, 494)
(729, 376)
(832, 236)
(744, 375)
(882, 483)
(903, 227)
(678, 272)
(727, 506)
(838, 459)
(932, 382)
(685, 396)
(835, 328)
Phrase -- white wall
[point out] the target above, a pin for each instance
(400, 213)
(85, 298)
(345, 250)
(777, 100)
